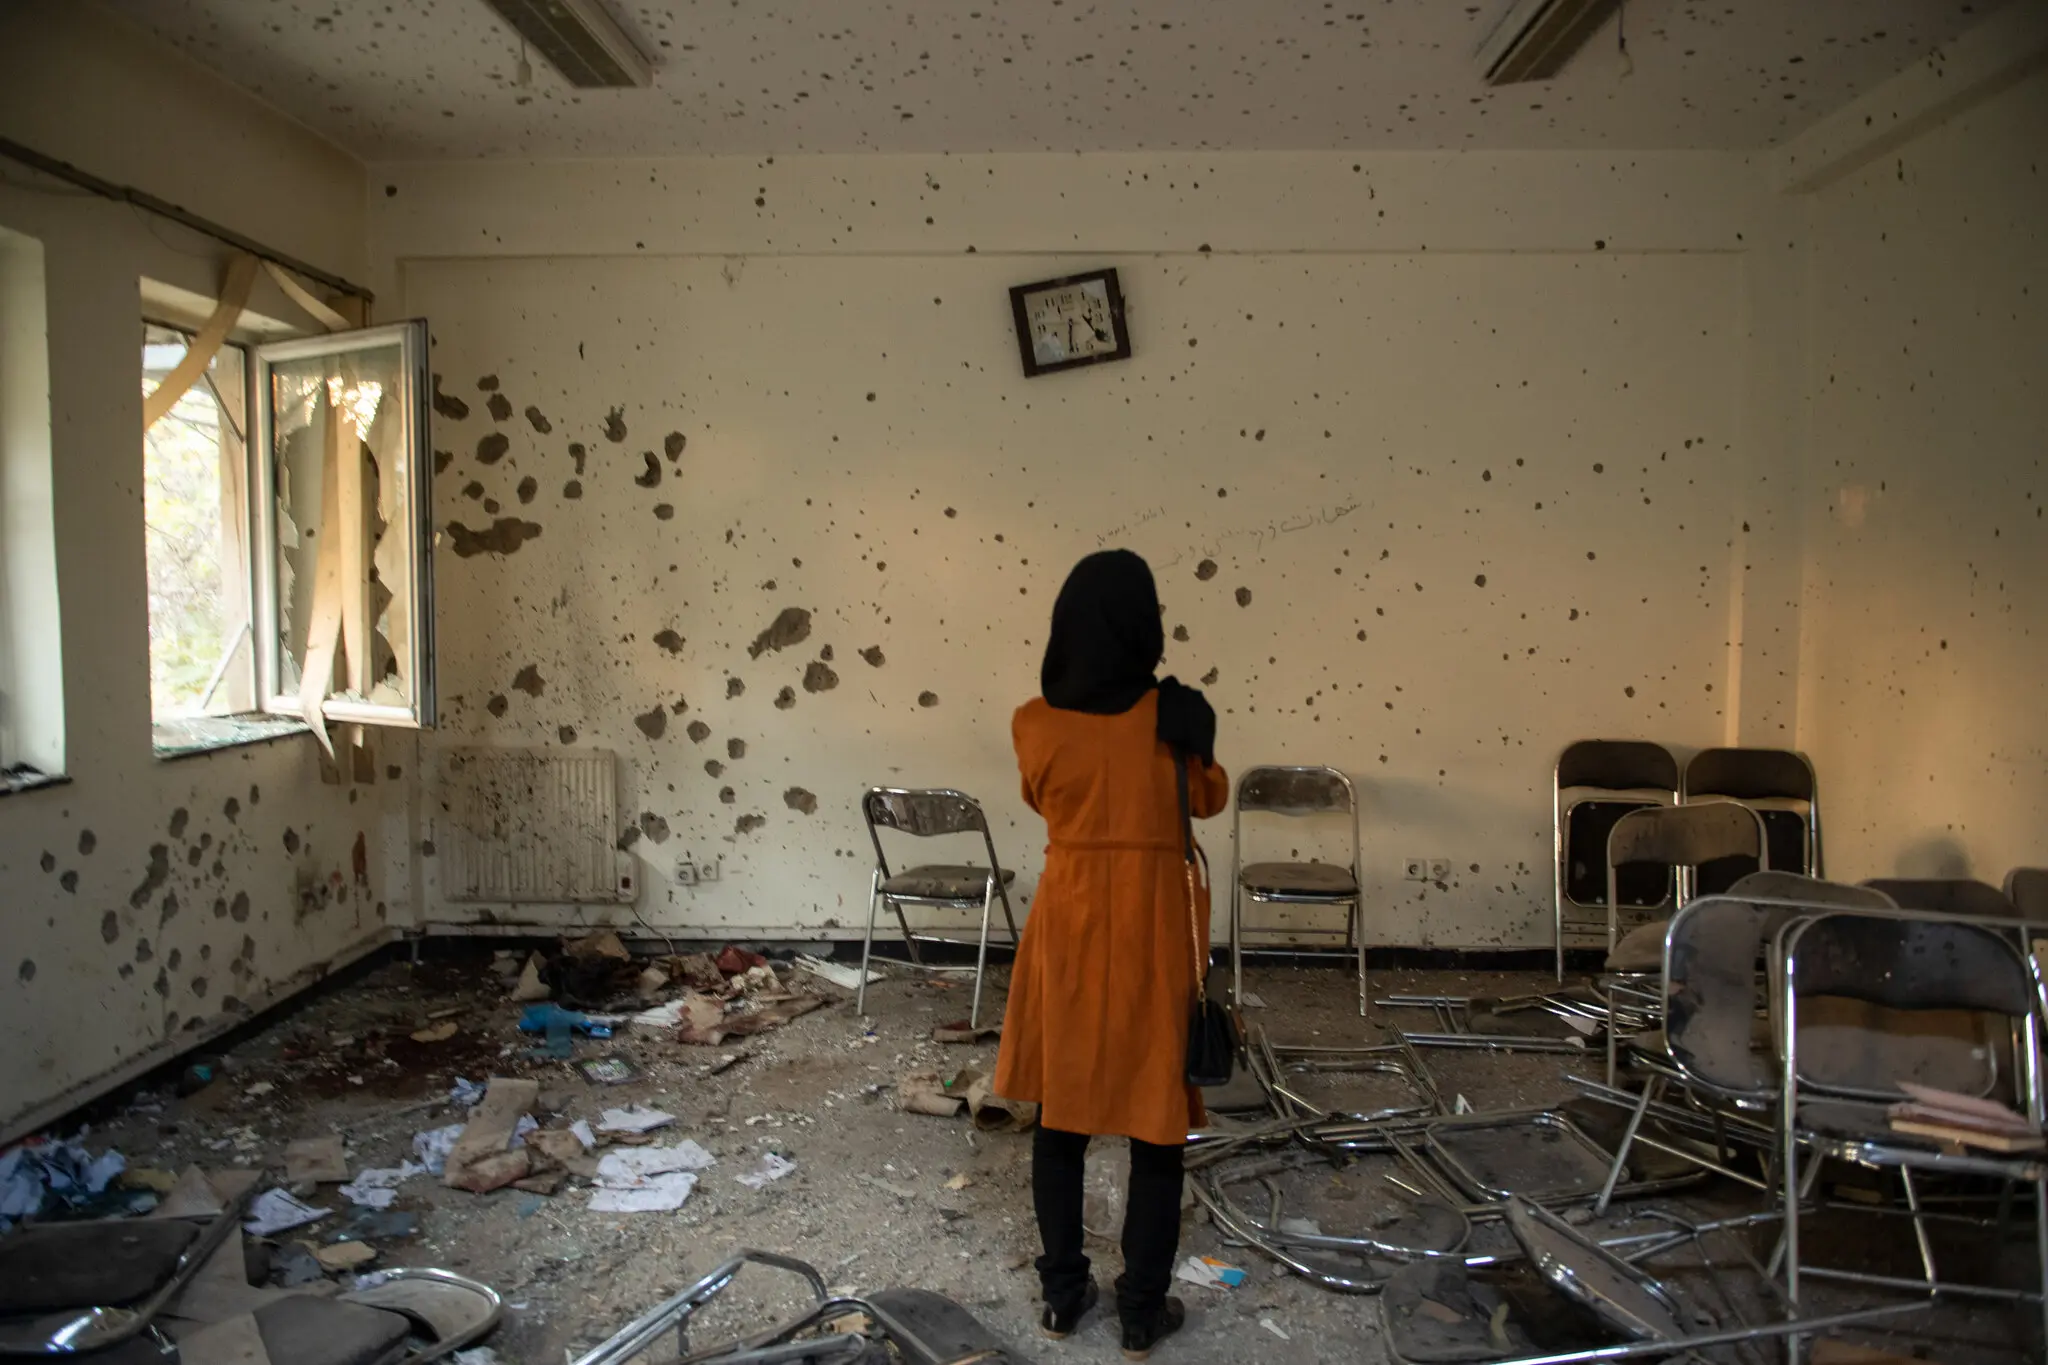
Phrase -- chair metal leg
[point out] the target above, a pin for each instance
(909, 939)
(1236, 944)
(1613, 1043)
(2041, 1250)
(1358, 933)
(1628, 1138)
(1008, 917)
(988, 900)
(867, 944)
(1919, 1226)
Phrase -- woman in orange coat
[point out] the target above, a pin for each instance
(1097, 1022)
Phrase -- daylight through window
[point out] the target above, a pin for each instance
(195, 509)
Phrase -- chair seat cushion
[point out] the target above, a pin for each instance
(1641, 949)
(942, 882)
(1299, 879)
(1856, 1122)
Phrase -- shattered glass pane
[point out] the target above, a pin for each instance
(334, 408)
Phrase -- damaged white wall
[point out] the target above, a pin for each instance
(1442, 460)
(1924, 673)
(150, 902)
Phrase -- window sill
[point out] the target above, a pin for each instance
(25, 779)
(194, 735)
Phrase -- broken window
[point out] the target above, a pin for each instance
(196, 520)
(344, 592)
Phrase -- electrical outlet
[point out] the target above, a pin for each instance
(1415, 869)
(1439, 869)
(686, 873)
(711, 871)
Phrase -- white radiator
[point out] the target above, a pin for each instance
(529, 825)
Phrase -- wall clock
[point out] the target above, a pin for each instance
(1066, 323)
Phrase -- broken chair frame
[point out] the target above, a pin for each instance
(774, 1344)
(1294, 791)
(931, 813)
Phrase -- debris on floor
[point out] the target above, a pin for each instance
(650, 1156)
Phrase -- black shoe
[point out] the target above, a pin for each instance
(1059, 1326)
(1140, 1338)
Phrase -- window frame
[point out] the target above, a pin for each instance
(411, 337)
(245, 346)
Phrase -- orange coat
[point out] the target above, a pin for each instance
(1097, 1022)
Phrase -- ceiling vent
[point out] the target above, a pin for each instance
(580, 39)
(1538, 37)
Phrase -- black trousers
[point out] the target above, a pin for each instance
(1151, 1223)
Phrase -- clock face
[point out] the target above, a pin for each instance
(1071, 322)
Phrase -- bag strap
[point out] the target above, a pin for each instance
(1189, 851)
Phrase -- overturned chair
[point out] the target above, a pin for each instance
(1296, 792)
(925, 814)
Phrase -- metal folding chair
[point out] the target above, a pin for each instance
(1948, 896)
(944, 886)
(2027, 889)
(1711, 989)
(1780, 786)
(1673, 837)
(1902, 962)
(1296, 792)
(1597, 782)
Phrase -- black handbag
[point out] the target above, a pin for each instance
(1213, 1037)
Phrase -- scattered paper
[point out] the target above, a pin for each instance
(432, 1147)
(258, 1090)
(613, 1070)
(377, 1187)
(581, 1128)
(1274, 1328)
(627, 1165)
(658, 1194)
(530, 987)
(634, 1118)
(773, 1167)
(960, 1181)
(663, 1016)
(1251, 1000)
(1209, 1272)
(839, 974)
(466, 1093)
(275, 1211)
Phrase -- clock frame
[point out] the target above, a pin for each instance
(1020, 309)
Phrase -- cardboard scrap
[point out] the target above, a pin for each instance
(321, 1159)
(703, 1019)
(436, 1033)
(698, 971)
(923, 1092)
(481, 1175)
(992, 1113)
(345, 1255)
(1963, 1120)
(488, 1136)
(961, 1031)
(603, 943)
(530, 987)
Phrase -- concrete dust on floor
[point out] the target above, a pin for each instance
(877, 1197)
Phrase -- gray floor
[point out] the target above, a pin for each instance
(876, 1197)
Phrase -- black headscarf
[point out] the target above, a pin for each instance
(1105, 647)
